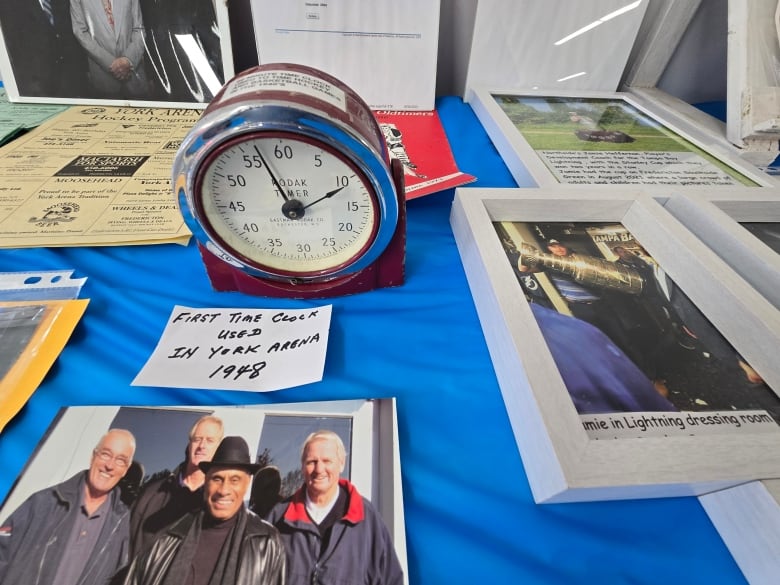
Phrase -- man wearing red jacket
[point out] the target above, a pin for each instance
(331, 533)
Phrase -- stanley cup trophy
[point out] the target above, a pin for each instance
(587, 270)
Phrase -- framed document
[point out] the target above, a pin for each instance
(633, 361)
(141, 52)
(387, 52)
(742, 226)
(603, 138)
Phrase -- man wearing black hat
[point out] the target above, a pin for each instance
(165, 500)
(221, 544)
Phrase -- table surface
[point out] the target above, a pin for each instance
(469, 512)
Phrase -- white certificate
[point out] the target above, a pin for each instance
(384, 50)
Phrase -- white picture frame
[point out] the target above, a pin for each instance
(562, 462)
(185, 58)
(509, 46)
(753, 87)
(586, 150)
(718, 219)
(662, 28)
(747, 517)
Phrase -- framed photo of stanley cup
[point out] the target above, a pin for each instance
(632, 360)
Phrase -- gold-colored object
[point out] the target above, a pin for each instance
(587, 270)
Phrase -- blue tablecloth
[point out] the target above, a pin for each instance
(469, 512)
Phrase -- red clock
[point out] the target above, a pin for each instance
(288, 187)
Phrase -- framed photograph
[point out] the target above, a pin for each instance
(633, 361)
(274, 432)
(742, 226)
(139, 53)
(603, 138)
(753, 87)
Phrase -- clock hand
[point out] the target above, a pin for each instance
(295, 209)
(328, 194)
(271, 174)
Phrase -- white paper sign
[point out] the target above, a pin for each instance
(239, 349)
(386, 51)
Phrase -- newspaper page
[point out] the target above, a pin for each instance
(94, 176)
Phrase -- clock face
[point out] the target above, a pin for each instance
(286, 204)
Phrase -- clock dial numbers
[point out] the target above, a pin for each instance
(258, 156)
(287, 205)
(287, 186)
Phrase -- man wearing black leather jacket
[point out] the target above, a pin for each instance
(223, 543)
(163, 501)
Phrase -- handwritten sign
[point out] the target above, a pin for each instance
(239, 349)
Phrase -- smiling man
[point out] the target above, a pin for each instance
(76, 531)
(222, 543)
(163, 501)
(331, 533)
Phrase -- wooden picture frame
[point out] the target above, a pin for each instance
(180, 57)
(592, 137)
(563, 461)
(738, 225)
